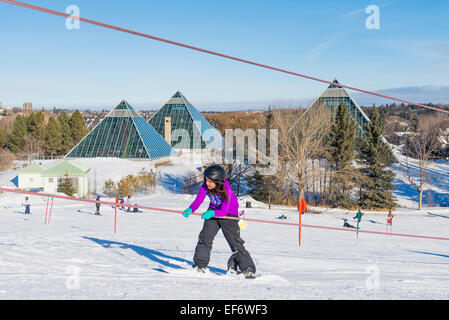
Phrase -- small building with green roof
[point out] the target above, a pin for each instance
(77, 173)
(30, 177)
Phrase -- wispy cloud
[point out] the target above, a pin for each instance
(351, 13)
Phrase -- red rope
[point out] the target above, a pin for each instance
(231, 218)
(65, 15)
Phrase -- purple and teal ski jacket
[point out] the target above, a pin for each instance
(220, 206)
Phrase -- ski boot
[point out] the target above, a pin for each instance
(231, 262)
(199, 269)
(249, 274)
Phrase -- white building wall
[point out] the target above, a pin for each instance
(30, 181)
(50, 184)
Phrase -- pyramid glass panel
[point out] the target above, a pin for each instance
(188, 128)
(333, 96)
(123, 133)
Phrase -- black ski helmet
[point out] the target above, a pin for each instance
(215, 172)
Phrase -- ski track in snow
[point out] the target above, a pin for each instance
(78, 256)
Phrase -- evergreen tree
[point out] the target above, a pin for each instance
(340, 154)
(414, 123)
(268, 125)
(16, 139)
(53, 137)
(36, 124)
(258, 187)
(67, 140)
(262, 187)
(77, 126)
(375, 157)
(66, 186)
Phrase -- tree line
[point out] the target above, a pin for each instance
(32, 133)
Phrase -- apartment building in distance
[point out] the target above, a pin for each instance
(27, 107)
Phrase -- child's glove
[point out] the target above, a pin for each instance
(187, 212)
(208, 214)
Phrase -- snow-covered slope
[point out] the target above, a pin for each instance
(78, 256)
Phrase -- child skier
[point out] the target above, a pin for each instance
(128, 201)
(390, 220)
(223, 203)
(26, 204)
(358, 216)
(97, 205)
(122, 202)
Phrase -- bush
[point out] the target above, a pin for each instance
(124, 187)
(109, 188)
(145, 182)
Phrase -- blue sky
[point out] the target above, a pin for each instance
(44, 62)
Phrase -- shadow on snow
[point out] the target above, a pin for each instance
(430, 253)
(156, 256)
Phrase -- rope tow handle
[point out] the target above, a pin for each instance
(228, 217)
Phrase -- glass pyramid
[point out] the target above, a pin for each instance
(333, 96)
(188, 129)
(123, 133)
(334, 85)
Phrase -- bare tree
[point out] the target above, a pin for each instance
(236, 171)
(301, 135)
(32, 146)
(6, 159)
(421, 145)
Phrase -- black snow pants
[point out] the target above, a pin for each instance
(231, 232)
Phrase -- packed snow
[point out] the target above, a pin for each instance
(77, 255)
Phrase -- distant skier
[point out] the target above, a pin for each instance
(390, 217)
(26, 204)
(358, 216)
(128, 201)
(223, 203)
(97, 205)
